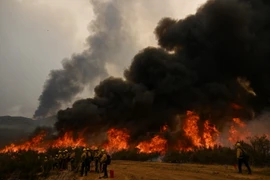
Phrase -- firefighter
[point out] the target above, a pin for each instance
(55, 162)
(96, 158)
(46, 167)
(60, 160)
(84, 158)
(88, 159)
(72, 159)
(65, 159)
(242, 157)
(103, 163)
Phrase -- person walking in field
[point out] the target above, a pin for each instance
(242, 157)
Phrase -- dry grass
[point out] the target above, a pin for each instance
(132, 170)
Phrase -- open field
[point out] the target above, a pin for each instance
(132, 170)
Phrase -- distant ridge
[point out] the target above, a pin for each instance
(15, 128)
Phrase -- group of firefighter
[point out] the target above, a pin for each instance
(65, 160)
(73, 161)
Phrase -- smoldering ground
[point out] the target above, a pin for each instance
(197, 67)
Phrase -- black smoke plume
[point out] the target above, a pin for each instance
(206, 62)
(108, 38)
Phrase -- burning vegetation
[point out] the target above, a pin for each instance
(203, 85)
(118, 139)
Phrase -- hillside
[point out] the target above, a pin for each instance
(13, 129)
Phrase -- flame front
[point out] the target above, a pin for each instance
(206, 136)
(32, 144)
(117, 140)
(156, 145)
(67, 140)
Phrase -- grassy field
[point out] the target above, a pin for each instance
(132, 170)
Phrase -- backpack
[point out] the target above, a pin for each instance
(85, 158)
(244, 154)
(108, 162)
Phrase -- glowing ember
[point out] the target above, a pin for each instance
(32, 144)
(164, 128)
(236, 106)
(156, 145)
(210, 135)
(191, 128)
(117, 140)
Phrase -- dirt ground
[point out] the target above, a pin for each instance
(130, 170)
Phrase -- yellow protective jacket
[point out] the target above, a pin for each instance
(83, 156)
(239, 153)
(103, 158)
(89, 154)
(72, 155)
(60, 156)
(97, 154)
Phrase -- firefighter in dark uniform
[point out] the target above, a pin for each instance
(96, 158)
(72, 159)
(88, 159)
(103, 163)
(242, 157)
(84, 161)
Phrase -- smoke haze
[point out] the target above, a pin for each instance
(110, 47)
(197, 66)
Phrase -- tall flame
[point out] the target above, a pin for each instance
(238, 131)
(156, 145)
(67, 140)
(210, 135)
(191, 128)
(117, 140)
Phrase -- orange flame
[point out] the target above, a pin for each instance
(67, 140)
(164, 128)
(238, 131)
(210, 135)
(117, 140)
(191, 128)
(32, 144)
(206, 136)
(156, 145)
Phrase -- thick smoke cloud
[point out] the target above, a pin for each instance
(197, 67)
(108, 39)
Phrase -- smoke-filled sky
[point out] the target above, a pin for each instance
(36, 35)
